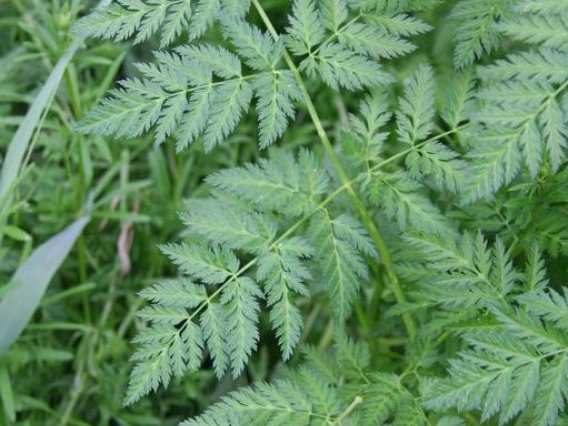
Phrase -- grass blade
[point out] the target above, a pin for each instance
(31, 280)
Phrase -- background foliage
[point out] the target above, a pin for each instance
(303, 212)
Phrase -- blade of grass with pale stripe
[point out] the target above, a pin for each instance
(32, 277)
(31, 280)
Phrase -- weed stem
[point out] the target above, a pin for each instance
(364, 214)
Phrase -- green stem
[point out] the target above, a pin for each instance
(73, 89)
(357, 401)
(327, 337)
(357, 201)
(362, 317)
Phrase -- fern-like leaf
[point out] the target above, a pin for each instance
(340, 67)
(284, 276)
(462, 271)
(363, 141)
(212, 266)
(145, 18)
(280, 183)
(342, 266)
(503, 373)
(281, 403)
(243, 308)
(546, 27)
(476, 28)
(416, 110)
(401, 198)
(275, 94)
(550, 305)
(368, 40)
(306, 28)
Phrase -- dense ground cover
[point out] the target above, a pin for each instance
(307, 212)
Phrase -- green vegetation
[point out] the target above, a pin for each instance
(284, 212)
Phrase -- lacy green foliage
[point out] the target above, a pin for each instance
(466, 271)
(517, 348)
(143, 18)
(279, 213)
(282, 212)
(522, 119)
(328, 390)
(181, 93)
(401, 195)
(477, 30)
(528, 214)
(463, 168)
(203, 90)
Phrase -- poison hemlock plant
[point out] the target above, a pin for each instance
(512, 323)
(460, 169)
(280, 212)
(522, 117)
(204, 89)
